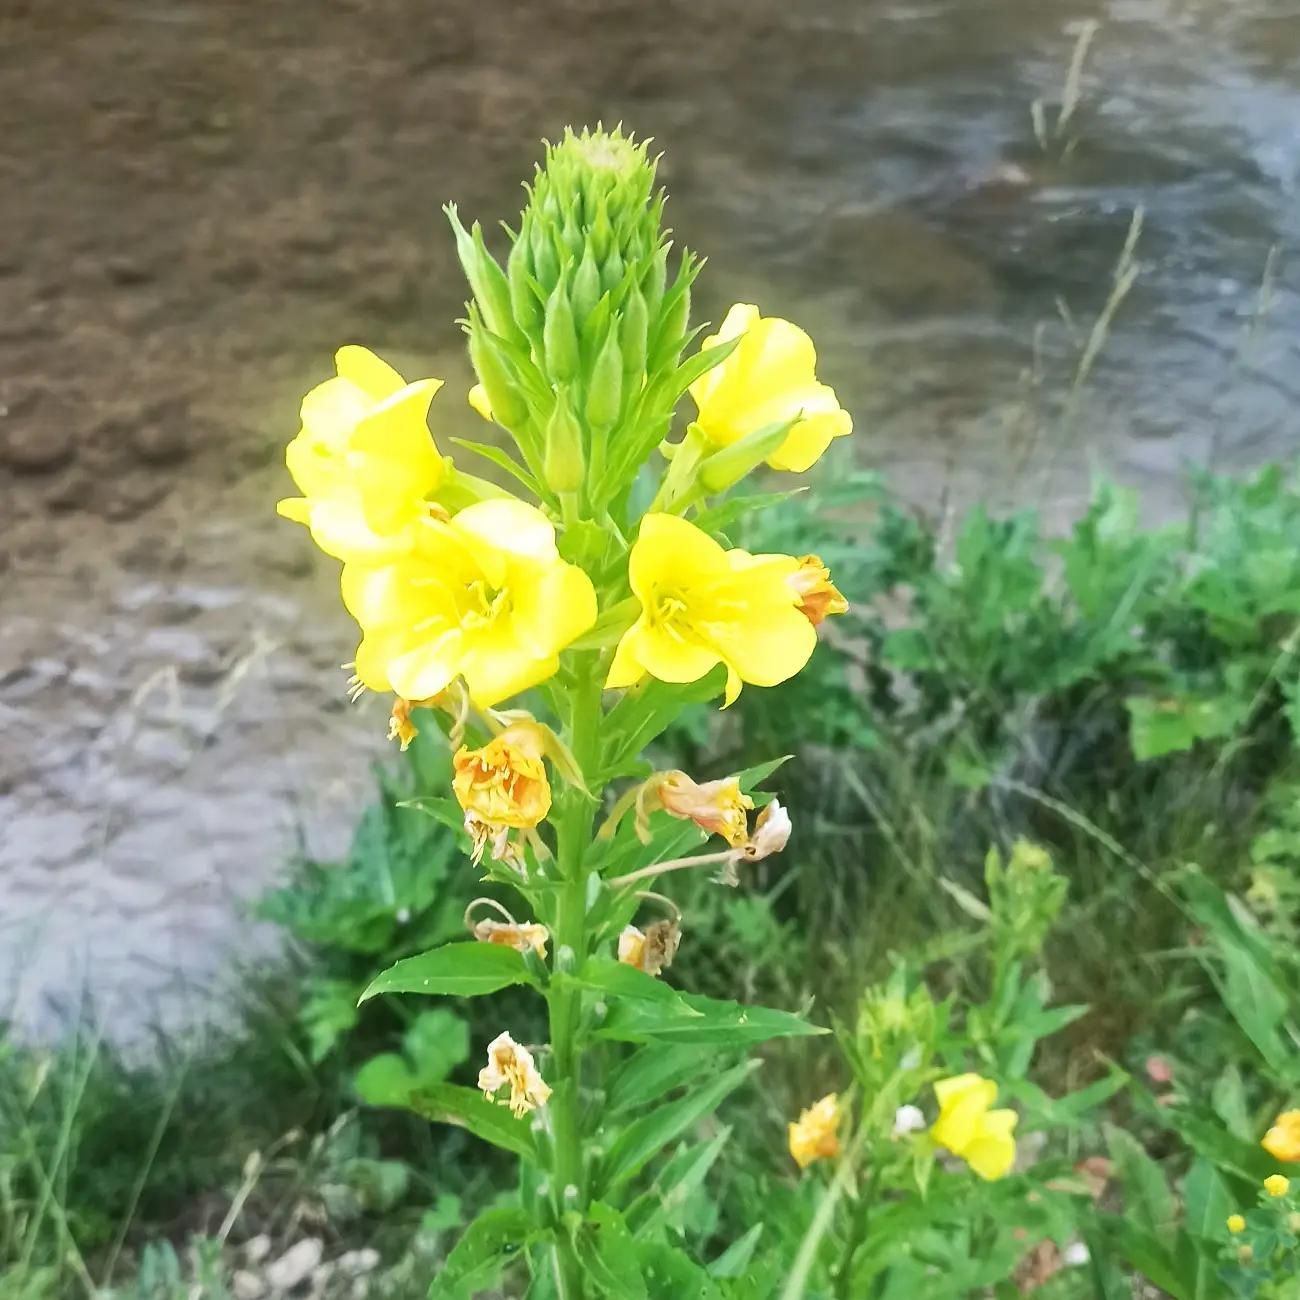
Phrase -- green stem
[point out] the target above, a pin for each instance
(574, 828)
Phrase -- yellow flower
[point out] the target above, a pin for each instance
(769, 378)
(814, 1135)
(702, 605)
(1277, 1185)
(652, 951)
(819, 597)
(1282, 1141)
(1236, 1223)
(513, 934)
(969, 1129)
(717, 807)
(508, 1063)
(484, 596)
(363, 459)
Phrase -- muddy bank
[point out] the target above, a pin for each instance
(203, 200)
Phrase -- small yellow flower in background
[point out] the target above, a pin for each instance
(1282, 1141)
(478, 399)
(702, 605)
(819, 597)
(814, 1135)
(484, 596)
(513, 934)
(716, 807)
(1236, 1224)
(364, 459)
(969, 1129)
(652, 951)
(769, 378)
(1277, 1185)
(509, 1063)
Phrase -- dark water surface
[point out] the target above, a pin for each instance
(201, 201)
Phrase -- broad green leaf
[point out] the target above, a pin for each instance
(1146, 1254)
(435, 1043)
(734, 1261)
(704, 1020)
(464, 970)
(1206, 1203)
(1147, 1199)
(674, 1185)
(671, 1274)
(608, 1255)
(646, 1137)
(484, 1250)
(448, 1103)
(1244, 1158)
(649, 1073)
(384, 1080)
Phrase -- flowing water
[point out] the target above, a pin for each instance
(199, 201)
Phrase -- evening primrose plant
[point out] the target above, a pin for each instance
(552, 629)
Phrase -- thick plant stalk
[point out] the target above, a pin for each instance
(574, 834)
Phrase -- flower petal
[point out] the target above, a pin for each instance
(667, 549)
(509, 525)
(551, 604)
(371, 374)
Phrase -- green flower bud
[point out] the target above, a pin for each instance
(546, 266)
(730, 464)
(586, 287)
(526, 309)
(605, 393)
(633, 328)
(487, 281)
(675, 315)
(563, 464)
(495, 373)
(602, 233)
(560, 337)
(611, 271)
(655, 281)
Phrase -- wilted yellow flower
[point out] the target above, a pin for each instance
(771, 832)
(814, 1136)
(1236, 1223)
(363, 459)
(400, 726)
(819, 597)
(504, 782)
(484, 596)
(769, 378)
(1277, 1185)
(702, 605)
(651, 951)
(1282, 1141)
(513, 934)
(969, 1129)
(717, 807)
(508, 1063)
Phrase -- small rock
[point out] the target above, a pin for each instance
(247, 1286)
(353, 1263)
(295, 1265)
(162, 436)
(256, 1249)
(36, 447)
(905, 264)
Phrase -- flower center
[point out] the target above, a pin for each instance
(482, 604)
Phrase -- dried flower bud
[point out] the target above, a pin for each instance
(771, 832)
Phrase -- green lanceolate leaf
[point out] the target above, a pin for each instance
(1148, 1201)
(734, 1261)
(459, 970)
(619, 980)
(646, 1137)
(679, 1179)
(502, 460)
(486, 1247)
(655, 1070)
(608, 1255)
(448, 1103)
(706, 1020)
